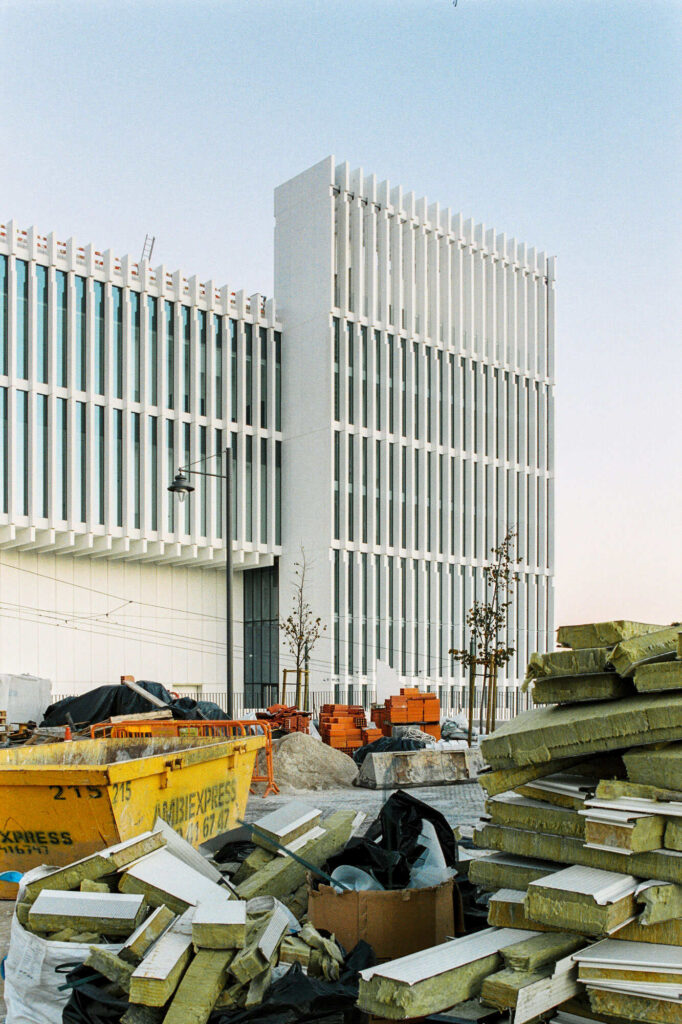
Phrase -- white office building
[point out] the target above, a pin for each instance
(390, 410)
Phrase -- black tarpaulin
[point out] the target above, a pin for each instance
(391, 844)
(106, 701)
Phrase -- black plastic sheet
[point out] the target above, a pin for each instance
(391, 844)
(299, 999)
(91, 1000)
(106, 701)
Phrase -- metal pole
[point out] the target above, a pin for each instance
(228, 585)
(472, 689)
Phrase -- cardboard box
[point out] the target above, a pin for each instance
(394, 922)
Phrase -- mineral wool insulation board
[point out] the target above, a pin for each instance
(410, 970)
(163, 871)
(603, 886)
(287, 822)
(615, 953)
(117, 910)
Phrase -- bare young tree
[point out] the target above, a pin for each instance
(301, 629)
(487, 622)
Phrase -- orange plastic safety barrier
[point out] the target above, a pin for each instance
(201, 729)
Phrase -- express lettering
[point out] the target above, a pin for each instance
(197, 804)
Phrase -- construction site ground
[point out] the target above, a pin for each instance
(462, 804)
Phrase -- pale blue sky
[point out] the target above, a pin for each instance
(555, 121)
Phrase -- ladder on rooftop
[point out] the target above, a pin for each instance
(148, 247)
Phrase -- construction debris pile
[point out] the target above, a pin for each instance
(285, 718)
(584, 825)
(172, 936)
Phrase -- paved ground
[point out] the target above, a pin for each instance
(462, 804)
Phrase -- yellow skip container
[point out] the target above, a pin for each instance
(62, 801)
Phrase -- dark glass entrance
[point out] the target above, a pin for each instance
(261, 632)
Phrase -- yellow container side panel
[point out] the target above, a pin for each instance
(61, 805)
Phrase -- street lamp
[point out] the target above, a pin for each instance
(182, 487)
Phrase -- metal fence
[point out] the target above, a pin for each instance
(511, 701)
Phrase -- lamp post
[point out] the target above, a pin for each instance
(182, 487)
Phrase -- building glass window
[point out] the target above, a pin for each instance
(203, 348)
(441, 395)
(42, 324)
(22, 318)
(4, 305)
(234, 441)
(153, 350)
(377, 385)
(21, 475)
(441, 517)
(100, 464)
(337, 381)
(337, 605)
(136, 353)
(403, 498)
(403, 616)
(137, 470)
(249, 374)
(377, 494)
(278, 492)
(416, 542)
(415, 615)
(454, 401)
(403, 385)
(186, 460)
(263, 377)
(363, 336)
(351, 474)
(170, 470)
(203, 511)
(263, 491)
(218, 379)
(429, 374)
(391, 493)
(429, 484)
(377, 608)
(416, 361)
(169, 311)
(391, 620)
(4, 469)
(118, 444)
(153, 473)
(234, 380)
(117, 314)
(62, 476)
(186, 314)
(364, 641)
(391, 376)
(364, 490)
(81, 503)
(100, 351)
(278, 380)
(248, 467)
(220, 486)
(41, 474)
(350, 638)
(351, 373)
(81, 332)
(337, 479)
(261, 629)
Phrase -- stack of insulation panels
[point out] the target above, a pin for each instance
(584, 826)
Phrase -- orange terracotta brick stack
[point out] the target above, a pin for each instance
(410, 708)
(342, 726)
